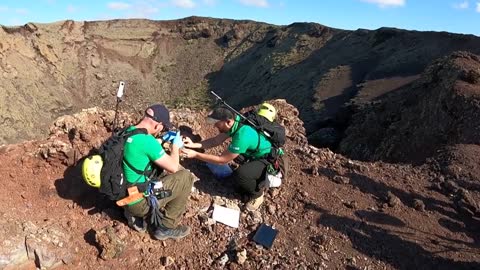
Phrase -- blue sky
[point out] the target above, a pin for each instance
(459, 16)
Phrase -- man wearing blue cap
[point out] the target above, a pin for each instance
(142, 152)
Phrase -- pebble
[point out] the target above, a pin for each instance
(242, 256)
(274, 192)
(419, 205)
(257, 217)
(320, 239)
(71, 224)
(271, 209)
(223, 260)
(219, 200)
(392, 200)
(341, 180)
(167, 261)
(352, 260)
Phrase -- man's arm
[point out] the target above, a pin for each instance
(224, 158)
(208, 143)
(171, 163)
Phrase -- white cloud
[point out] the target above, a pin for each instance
(15, 21)
(103, 17)
(478, 7)
(386, 3)
(255, 3)
(71, 9)
(143, 12)
(21, 11)
(145, 9)
(462, 5)
(150, 10)
(118, 5)
(183, 3)
(3, 8)
(210, 2)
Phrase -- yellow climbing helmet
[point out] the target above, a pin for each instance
(268, 111)
(91, 168)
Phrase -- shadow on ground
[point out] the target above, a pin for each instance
(72, 187)
(384, 245)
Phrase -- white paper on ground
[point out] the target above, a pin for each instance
(227, 216)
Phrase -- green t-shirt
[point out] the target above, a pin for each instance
(245, 141)
(139, 150)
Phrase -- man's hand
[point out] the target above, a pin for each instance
(177, 140)
(188, 153)
(188, 143)
(169, 136)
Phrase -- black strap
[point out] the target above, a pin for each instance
(128, 134)
(240, 125)
(135, 169)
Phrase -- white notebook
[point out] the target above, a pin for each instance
(227, 216)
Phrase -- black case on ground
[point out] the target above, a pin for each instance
(265, 236)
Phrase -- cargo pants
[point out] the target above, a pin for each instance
(180, 183)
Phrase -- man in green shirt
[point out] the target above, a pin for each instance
(141, 153)
(245, 141)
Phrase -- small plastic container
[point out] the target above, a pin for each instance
(274, 180)
(220, 171)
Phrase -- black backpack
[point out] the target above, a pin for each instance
(113, 184)
(273, 131)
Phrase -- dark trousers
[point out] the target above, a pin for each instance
(247, 177)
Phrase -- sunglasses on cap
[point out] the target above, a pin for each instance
(164, 129)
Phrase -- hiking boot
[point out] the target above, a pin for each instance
(164, 233)
(136, 223)
(254, 204)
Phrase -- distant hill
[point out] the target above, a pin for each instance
(47, 70)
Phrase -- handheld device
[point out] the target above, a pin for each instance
(120, 93)
(120, 90)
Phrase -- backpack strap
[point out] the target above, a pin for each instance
(258, 143)
(128, 134)
(135, 169)
(240, 125)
